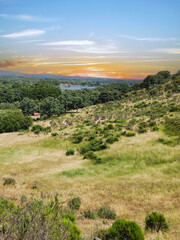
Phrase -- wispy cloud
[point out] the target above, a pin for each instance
(25, 33)
(11, 62)
(31, 41)
(30, 18)
(70, 63)
(168, 50)
(68, 43)
(149, 39)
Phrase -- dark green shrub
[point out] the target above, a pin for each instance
(9, 181)
(90, 155)
(152, 123)
(142, 125)
(13, 120)
(112, 139)
(130, 134)
(110, 126)
(37, 129)
(89, 214)
(74, 203)
(78, 138)
(140, 105)
(156, 222)
(155, 128)
(106, 212)
(97, 145)
(69, 152)
(54, 134)
(125, 230)
(142, 130)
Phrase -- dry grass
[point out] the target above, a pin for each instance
(138, 174)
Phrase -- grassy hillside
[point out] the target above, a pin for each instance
(127, 156)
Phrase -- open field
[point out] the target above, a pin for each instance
(138, 174)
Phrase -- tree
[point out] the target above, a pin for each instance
(29, 106)
(51, 106)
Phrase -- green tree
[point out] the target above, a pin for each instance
(51, 106)
(28, 106)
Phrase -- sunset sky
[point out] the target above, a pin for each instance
(94, 38)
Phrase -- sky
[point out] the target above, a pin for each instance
(90, 38)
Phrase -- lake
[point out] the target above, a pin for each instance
(74, 87)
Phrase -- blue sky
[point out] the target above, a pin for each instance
(128, 39)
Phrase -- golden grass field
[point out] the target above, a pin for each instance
(138, 174)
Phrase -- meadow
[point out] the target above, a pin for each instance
(122, 154)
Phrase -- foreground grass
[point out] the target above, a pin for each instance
(138, 174)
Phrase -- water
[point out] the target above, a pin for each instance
(74, 87)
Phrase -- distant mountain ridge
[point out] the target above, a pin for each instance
(63, 77)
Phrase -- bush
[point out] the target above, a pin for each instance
(112, 139)
(130, 134)
(54, 134)
(142, 130)
(70, 152)
(13, 120)
(36, 219)
(9, 181)
(155, 222)
(90, 155)
(75, 203)
(37, 129)
(89, 214)
(106, 212)
(155, 128)
(125, 230)
(78, 138)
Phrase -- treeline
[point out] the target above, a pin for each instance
(52, 81)
(50, 100)
(13, 120)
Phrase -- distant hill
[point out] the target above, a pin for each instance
(63, 77)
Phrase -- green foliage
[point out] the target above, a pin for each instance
(112, 139)
(51, 106)
(69, 152)
(106, 212)
(54, 134)
(125, 230)
(9, 181)
(36, 219)
(74, 203)
(142, 130)
(13, 120)
(101, 234)
(156, 222)
(37, 128)
(78, 138)
(140, 105)
(130, 134)
(172, 126)
(89, 214)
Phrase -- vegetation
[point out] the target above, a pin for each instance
(74, 203)
(123, 229)
(156, 222)
(131, 147)
(106, 212)
(36, 219)
(13, 120)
